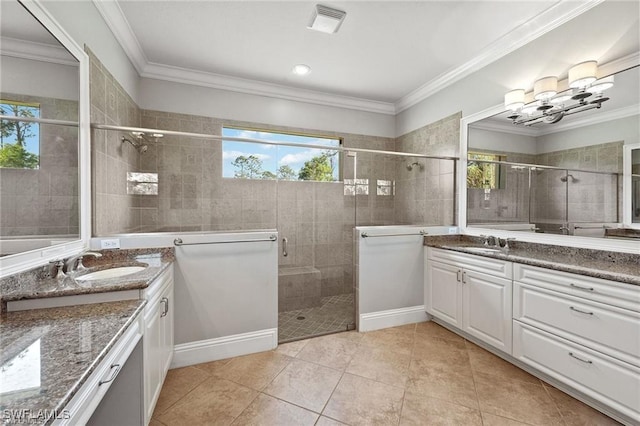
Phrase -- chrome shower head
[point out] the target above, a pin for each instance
(415, 163)
(566, 178)
(140, 147)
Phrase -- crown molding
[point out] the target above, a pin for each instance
(551, 18)
(119, 26)
(254, 87)
(36, 51)
(619, 65)
(544, 22)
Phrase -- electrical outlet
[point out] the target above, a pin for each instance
(110, 244)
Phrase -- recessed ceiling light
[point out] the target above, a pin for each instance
(301, 69)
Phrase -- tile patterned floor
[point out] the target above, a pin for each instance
(420, 374)
(333, 315)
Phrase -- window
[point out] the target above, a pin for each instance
(484, 175)
(19, 140)
(142, 183)
(244, 160)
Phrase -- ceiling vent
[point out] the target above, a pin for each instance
(326, 19)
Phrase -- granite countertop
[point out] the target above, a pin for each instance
(34, 284)
(609, 265)
(46, 355)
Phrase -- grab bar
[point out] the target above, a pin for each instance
(365, 235)
(593, 227)
(178, 241)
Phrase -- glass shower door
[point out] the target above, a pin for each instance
(315, 221)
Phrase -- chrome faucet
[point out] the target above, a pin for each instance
(490, 241)
(74, 263)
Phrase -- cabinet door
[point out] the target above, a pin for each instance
(152, 359)
(486, 302)
(442, 292)
(167, 330)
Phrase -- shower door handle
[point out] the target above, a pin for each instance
(284, 247)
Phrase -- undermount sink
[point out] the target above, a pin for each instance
(110, 273)
(487, 250)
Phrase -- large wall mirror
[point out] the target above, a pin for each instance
(564, 177)
(631, 187)
(41, 193)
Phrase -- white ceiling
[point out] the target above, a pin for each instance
(386, 56)
(382, 52)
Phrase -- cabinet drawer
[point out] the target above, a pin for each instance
(85, 401)
(614, 383)
(623, 295)
(605, 328)
(154, 292)
(495, 267)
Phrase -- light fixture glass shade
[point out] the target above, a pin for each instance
(602, 84)
(561, 97)
(545, 88)
(531, 107)
(514, 100)
(583, 74)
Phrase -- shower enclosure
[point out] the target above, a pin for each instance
(179, 183)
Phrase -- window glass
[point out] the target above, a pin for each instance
(19, 140)
(484, 175)
(244, 160)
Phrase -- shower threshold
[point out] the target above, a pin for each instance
(335, 314)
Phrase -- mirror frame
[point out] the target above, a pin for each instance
(564, 240)
(30, 259)
(626, 186)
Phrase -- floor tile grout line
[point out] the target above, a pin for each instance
(333, 391)
(248, 405)
(553, 400)
(166, 410)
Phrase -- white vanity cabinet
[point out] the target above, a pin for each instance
(472, 293)
(158, 338)
(582, 331)
(93, 402)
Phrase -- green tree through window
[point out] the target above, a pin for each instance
(481, 174)
(19, 140)
(248, 160)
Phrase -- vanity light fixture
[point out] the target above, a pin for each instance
(549, 106)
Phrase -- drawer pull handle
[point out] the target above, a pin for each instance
(165, 306)
(113, 375)
(458, 275)
(586, 361)
(581, 288)
(582, 312)
(464, 277)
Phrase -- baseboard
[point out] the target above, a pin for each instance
(224, 347)
(392, 318)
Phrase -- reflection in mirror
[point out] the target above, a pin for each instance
(559, 178)
(631, 186)
(39, 82)
(635, 186)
